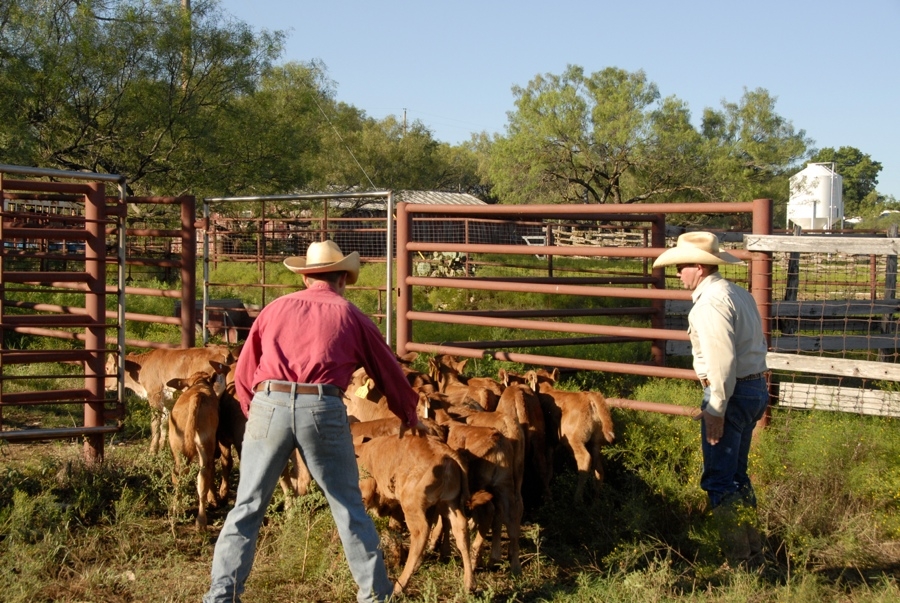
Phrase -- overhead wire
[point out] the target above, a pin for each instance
(346, 146)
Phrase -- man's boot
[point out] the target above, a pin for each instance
(733, 535)
(755, 542)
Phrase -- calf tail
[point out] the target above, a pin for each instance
(600, 414)
(454, 458)
(189, 446)
(480, 498)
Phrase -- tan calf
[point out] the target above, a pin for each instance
(538, 472)
(192, 430)
(415, 479)
(146, 374)
(364, 401)
(417, 379)
(490, 458)
(584, 426)
(295, 478)
(447, 372)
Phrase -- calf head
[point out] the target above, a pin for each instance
(214, 379)
(444, 371)
(132, 376)
(530, 379)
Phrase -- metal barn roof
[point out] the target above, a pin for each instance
(419, 197)
(437, 198)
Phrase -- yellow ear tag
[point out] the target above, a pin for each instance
(362, 391)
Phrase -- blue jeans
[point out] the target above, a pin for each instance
(725, 464)
(317, 425)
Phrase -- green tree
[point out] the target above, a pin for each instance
(752, 151)
(607, 137)
(134, 87)
(361, 153)
(858, 172)
(266, 142)
(459, 172)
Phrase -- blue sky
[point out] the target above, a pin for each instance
(834, 67)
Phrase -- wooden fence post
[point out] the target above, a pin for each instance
(793, 283)
(890, 292)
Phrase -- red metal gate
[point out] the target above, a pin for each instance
(55, 237)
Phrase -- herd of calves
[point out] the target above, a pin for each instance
(488, 452)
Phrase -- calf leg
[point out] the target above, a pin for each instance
(483, 517)
(440, 537)
(597, 461)
(226, 460)
(159, 421)
(205, 481)
(459, 525)
(513, 531)
(584, 465)
(510, 515)
(295, 478)
(417, 525)
(155, 429)
(163, 424)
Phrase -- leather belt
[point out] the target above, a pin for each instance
(285, 387)
(705, 382)
(752, 377)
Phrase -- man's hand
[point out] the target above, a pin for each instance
(419, 430)
(714, 425)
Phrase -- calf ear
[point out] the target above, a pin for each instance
(423, 404)
(179, 384)
(503, 377)
(532, 378)
(220, 367)
(408, 358)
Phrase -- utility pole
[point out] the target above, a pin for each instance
(404, 121)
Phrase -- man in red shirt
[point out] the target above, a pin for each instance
(290, 376)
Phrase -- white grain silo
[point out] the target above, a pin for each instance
(816, 200)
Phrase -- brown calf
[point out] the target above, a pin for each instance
(295, 478)
(147, 374)
(584, 426)
(192, 430)
(415, 479)
(363, 400)
(490, 458)
(447, 372)
(538, 473)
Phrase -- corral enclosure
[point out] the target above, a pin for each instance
(580, 279)
(583, 282)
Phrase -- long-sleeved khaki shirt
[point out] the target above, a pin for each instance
(727, 339)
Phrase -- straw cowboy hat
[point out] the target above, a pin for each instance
(695, 248)
(325, 256)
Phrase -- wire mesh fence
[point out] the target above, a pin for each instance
(834, 329)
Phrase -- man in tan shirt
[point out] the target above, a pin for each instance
(729, 350)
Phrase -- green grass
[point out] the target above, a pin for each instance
(828, 486)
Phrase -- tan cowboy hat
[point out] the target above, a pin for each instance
(325, 256)
(695, 248)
